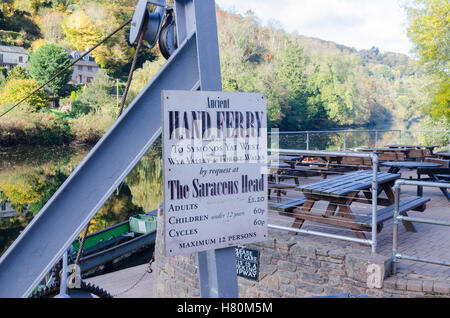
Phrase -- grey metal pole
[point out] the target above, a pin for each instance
(423, 220)
(307, 140)
(63, 286)
(395, 255)
(376, 139)
(395, 232)
(423, 259)
(345, 141)
(217, 268)
(322, 234)
(374, 201)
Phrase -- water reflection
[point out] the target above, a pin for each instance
(29, 176)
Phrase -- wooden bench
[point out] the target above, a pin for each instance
(365, 223)
(418, 154)
(445, 163)
(280, 188)
(386, 154)
(341, 192)
(322, 168)
(356, 161)
(286, 207)
(305, 171)
(392, 156)
(410, 203)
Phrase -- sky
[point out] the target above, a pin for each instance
(356, 23)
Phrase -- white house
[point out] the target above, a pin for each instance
(85, 69)
(11, 56)
(6, 210)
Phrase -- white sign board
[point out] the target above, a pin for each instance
(215, 156)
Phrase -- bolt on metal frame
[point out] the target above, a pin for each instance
(374, 189)
(397, 218)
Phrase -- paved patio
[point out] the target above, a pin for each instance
(431, 241)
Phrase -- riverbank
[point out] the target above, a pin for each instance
(49, 128)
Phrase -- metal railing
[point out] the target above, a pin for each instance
(373, 137)
(397, 217)
(374, 193)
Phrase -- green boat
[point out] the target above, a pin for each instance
(116, 243)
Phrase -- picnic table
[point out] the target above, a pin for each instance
(336, 164)
(396, 166)
(325, 158)
(275, 169)
(308, 165)
(340, 192)
(415, 150)
(290, 160)
(400, 153)
(443, 155)
(381, 149)
(437, 175)
(279, 188)
(387, 154)
(275, 172)
(411, 146)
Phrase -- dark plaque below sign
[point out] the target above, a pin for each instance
(247, 263)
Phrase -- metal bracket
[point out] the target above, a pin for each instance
(154, 21)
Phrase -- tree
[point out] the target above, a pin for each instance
(80, 31)
(51, 25)
(95, 96)
(18, 72)
(47, 61)
(294, 91)
(15, 90)
(430, 31)
(89, 24)
(3, 75)
(2, 19)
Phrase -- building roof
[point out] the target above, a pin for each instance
(77, 54)
(12, 49)
(87, 60)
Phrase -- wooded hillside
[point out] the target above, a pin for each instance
(310, 83)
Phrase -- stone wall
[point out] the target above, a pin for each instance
(176, 276)
(295, 266)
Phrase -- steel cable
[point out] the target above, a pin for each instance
(133, 66)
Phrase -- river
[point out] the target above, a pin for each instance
(29, 176)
